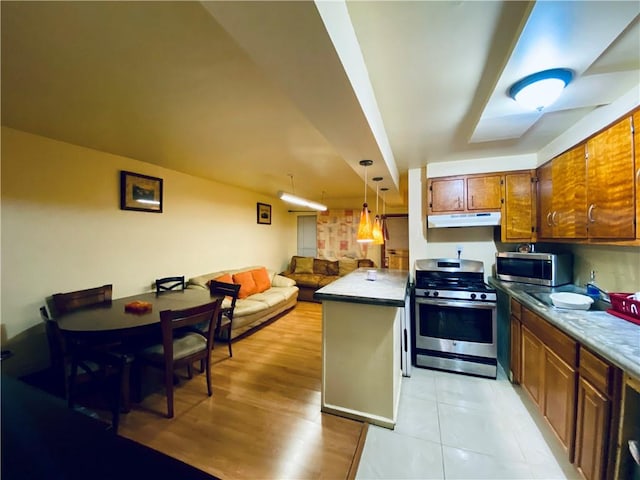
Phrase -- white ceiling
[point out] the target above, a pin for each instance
(250, 93)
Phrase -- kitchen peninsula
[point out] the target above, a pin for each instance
(363, 330)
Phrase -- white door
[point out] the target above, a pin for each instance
(307, 244)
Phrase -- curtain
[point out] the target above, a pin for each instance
(337, 231)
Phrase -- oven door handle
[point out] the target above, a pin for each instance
(455, 303)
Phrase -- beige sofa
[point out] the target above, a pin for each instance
(257, 308)
(310, 273)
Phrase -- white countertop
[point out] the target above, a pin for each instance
(613, 338)
(389, 287)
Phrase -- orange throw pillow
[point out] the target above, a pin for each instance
(226, 278)
(261, 277)
(247, 284)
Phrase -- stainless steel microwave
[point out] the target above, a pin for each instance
(548, 269)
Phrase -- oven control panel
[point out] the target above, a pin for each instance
(488, 296)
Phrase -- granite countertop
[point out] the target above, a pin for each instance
(388, 289)
(613, 338)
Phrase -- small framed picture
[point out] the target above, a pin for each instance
(140, 192)
(264, 213)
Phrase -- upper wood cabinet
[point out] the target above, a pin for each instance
(545, 200)
(518, 210)
(468, 193)
(610, 183)
(483, 193)
(446, 195)
(636, 156)
(562, 196)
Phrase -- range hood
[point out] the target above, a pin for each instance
(482, 219)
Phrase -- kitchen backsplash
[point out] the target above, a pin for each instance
(617, 268)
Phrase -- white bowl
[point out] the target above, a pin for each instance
(573, 301)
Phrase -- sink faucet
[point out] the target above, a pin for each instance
(593, 289)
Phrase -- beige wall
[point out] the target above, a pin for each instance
(617, 268)
(63, 230)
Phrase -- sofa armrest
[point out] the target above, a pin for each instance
(280, 281)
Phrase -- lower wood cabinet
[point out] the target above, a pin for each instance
(551, 384)
(532, 365)
(598, 406)
(558, 404)
(577, 392)
(592, 421)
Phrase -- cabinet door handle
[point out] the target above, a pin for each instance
(549, 219)
(553, 218)
(459, 202)
(638, 175)
(472, 201)
(590, 213)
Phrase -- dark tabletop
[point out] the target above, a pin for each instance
(114, 318)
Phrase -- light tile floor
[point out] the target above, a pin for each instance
(453, 426)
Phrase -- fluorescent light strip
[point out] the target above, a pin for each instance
(287, 197)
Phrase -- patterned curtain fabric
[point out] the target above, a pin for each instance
(337, 231)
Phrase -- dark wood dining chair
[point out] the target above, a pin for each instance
(225, 317)
(183, 343)
(113, 363)
(168, 284)
(90, 297)
(59, 357)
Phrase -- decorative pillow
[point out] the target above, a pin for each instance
(247, 284)
(320, 266)
(346, 265)
(226, 278)
(292, 265)
(261, 279)
(304, 265)
(333, 268)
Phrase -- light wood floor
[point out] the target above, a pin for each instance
(263, 420)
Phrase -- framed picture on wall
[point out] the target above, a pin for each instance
(264, 213)
(140, 192)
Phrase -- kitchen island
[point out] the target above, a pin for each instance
(363, 323)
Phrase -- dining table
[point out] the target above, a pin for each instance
(113, 319)
(113, 322)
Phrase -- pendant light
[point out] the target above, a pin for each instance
(383, 220)
(378, 239)
(365, 229)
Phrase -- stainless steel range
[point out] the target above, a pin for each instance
(455, 317)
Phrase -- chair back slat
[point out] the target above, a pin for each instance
(230, 290)
(71, 301)
(167, 284)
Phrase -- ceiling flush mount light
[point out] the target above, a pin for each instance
(365, 229)
(378, 239)
(539, 90)
(303, 202)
